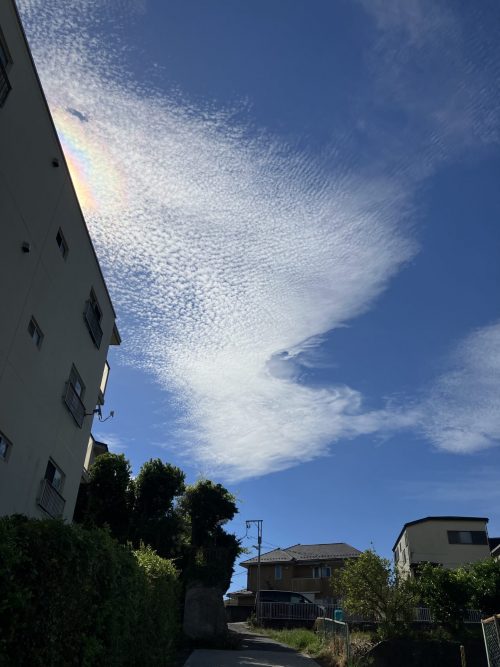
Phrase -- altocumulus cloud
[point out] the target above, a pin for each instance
(223, 248)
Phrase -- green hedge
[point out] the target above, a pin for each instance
(74, 596)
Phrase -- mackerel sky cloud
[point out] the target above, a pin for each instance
(229, 250)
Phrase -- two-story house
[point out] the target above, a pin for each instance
(302, 568)
(449, 541)
(57, 318)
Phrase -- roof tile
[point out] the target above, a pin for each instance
(306, 552)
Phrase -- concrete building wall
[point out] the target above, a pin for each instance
(36, 200)
(429, 542)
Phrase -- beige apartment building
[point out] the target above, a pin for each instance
(57, 319)
(450, 541)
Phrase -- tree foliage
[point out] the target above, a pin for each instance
(158, 510)
(155, 488)
(155, 519)
(450, 593)
(107, 498)
(445, 592)
(484, 586)
(73, 596)
(370, 587)
(212, 551)
(208, 506)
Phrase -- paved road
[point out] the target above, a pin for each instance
(255, 651)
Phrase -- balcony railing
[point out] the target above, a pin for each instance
(93, 324)
(50, 500)
(5, 86)
(74, 404)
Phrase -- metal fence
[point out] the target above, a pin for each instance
(491, 635)
(420, 615)
(337, 632)
(286, 611)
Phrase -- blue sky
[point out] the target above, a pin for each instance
(296, 209)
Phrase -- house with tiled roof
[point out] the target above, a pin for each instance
(302, 568)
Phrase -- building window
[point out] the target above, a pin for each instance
(5, 447)
(467, 537)
(35, 332)
(73, 396)
(93, 316)
(278, 572)
(61, 244)
(50, 498)
(104, 382)
(54, 475)
(321, 572)
(5, 60)
(77, 382)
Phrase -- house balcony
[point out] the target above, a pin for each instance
(5, 86)
(93, 323)
(50, 500)
(307, 584)
(74, 404)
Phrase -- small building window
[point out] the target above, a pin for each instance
(54, 475)
(73, 396)
(50, 498)
(93, 316)
(278, 572)
(5, 447)
(61, 244)
(467, 537)
(77, 382)
(95, 305)
(35, 332)
(5, 60)
(322, 572)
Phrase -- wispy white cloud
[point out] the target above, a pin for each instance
(462, 412)
(224, 248)
(115, 442)
(438, 66)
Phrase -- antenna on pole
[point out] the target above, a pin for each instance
(258, 523)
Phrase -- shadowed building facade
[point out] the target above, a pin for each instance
(57, 320)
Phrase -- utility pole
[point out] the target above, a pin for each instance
(258, 523)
